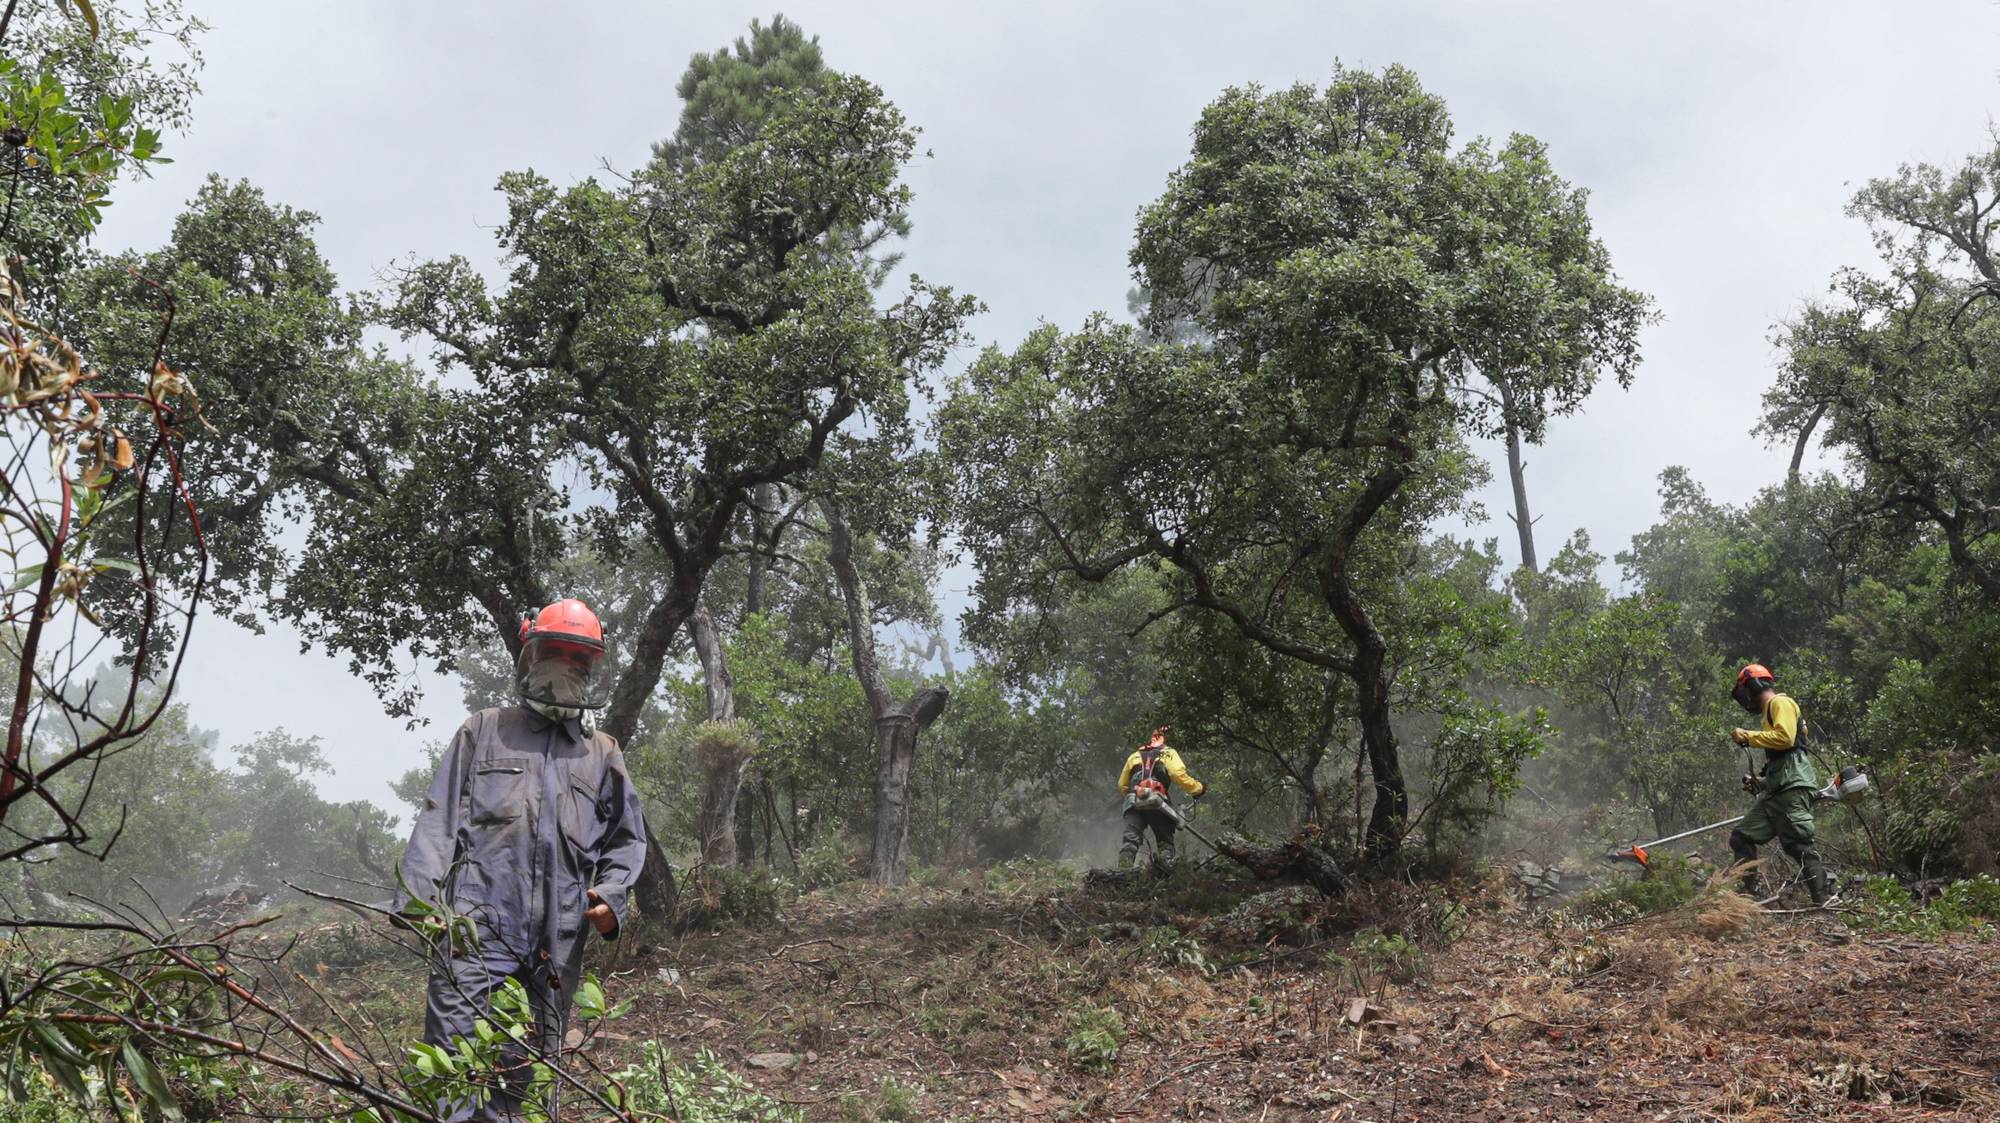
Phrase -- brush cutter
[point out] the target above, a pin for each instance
(1851, 782)
(1184, 824)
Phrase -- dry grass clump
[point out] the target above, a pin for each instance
(1645, 961)
(1171, 1006)
(1718, 911)
(1711, 998)
(1649, 979)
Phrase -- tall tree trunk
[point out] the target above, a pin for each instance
(717, 684)
(721, 755)
(746, 819)
(1390, 814)
(763, 513)
(896, 727)
(363, 851)
(1805, 438)
(1391, 809)
(1517, 471)
(658, 896)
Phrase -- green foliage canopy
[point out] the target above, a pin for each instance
(1347, 270)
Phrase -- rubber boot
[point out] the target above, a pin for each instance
(1164, 860)
(1746, 851)
(1815, 872)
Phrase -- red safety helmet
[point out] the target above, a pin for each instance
(562, 647)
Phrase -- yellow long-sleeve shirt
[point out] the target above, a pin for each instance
(1781, 725)
(1171, 762)
(1783, 738)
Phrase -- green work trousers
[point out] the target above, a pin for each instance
(1787, 817)
(1136, 822)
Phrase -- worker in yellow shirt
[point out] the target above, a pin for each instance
(1785, 786)
(1143, 783)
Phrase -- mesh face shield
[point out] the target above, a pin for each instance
(1746, 693)
(562, 671)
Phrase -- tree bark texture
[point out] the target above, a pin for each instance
(719, 687)
(722, 752)
(896, 727)
(658, 896)
(1517, 471)
(1300, 857)
(763, 514)
(1805, 439)
(1369, 670)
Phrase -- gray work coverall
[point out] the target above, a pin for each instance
(525, 815)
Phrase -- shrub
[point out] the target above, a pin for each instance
(1095, 1036)
(1398, 958)
(43, 1105)
(1171, 948)
(715, 895)
(1668, 882)
(1886, 905)
(1030, 876)
(894, 1102)
(1375, 959)
(829, 861)
(701, 1091)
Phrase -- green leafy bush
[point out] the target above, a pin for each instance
(717, 895)
(1095, 1036)
(1887, 905)
(1031, 876)
(1398, 958)
(1170, 947)
(704, 1090)
(1375, 958)
(1668, 882)
(894, 1102)
(40, 1103)
(829, 861)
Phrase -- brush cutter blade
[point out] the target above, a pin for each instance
(1634, 854)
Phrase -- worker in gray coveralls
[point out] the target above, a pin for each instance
(534, 830)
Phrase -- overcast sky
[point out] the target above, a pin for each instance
(1719, 141)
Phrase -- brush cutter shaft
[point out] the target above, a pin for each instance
(1849, 783)
(1690, 834)
(1185, 825)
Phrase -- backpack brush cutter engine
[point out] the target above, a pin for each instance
(1851, 782)
(1151, 795)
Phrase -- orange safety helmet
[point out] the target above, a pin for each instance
(567, 621)
(1753, 679)
(562, 649)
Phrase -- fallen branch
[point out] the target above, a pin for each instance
(1300, 856)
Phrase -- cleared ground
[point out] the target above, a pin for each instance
(982, 993)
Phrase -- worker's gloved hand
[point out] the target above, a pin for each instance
(1202, 792)
(1750, 783)
(1740, 736)
(599, 914)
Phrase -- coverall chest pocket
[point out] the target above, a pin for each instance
(582, 818)
(499, 789)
